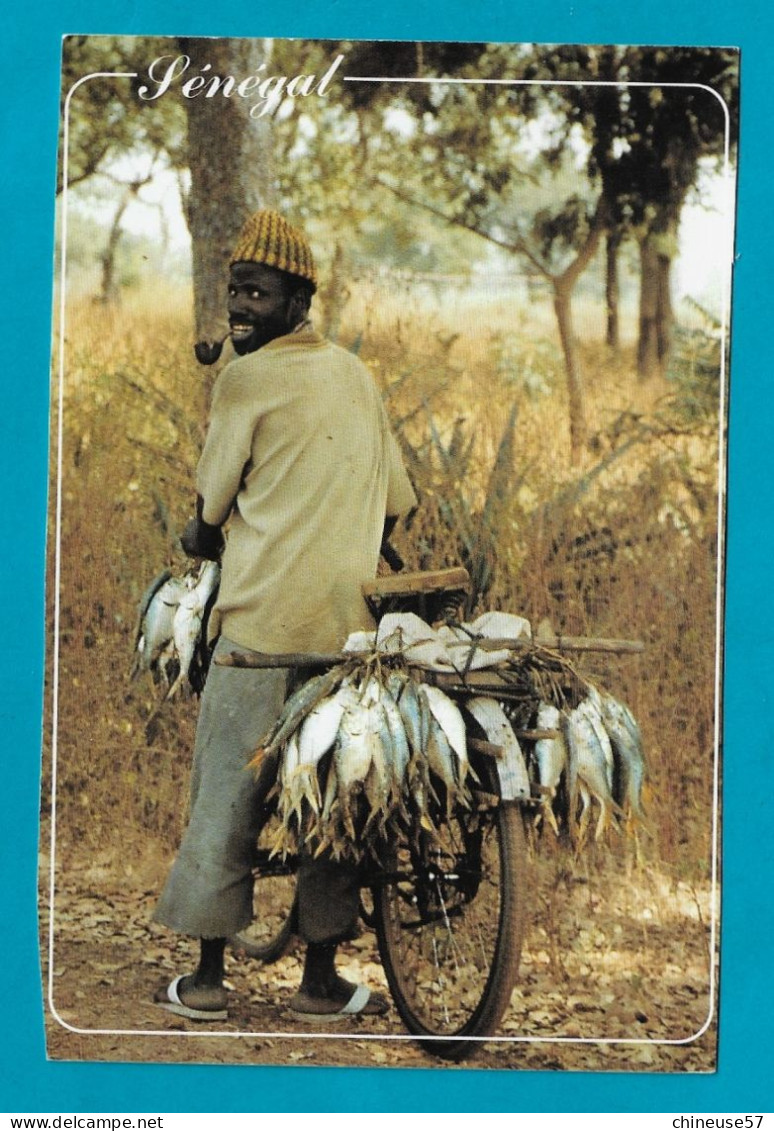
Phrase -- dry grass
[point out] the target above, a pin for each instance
(629, 550)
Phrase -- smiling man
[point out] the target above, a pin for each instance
(300, 460)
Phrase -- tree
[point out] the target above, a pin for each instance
(107, 120)
(670, 131)
(648, 130)
(229, 155)
(457, 160)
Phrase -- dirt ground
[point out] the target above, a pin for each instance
(615, 976)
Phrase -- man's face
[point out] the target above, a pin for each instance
(259, 305)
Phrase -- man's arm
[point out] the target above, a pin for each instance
(201, 539)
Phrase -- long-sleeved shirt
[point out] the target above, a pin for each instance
(300, 447)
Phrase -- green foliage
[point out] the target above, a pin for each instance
(567, 227)
(107, 120)
(695, 369)
(532, 366)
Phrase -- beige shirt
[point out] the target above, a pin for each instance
(300, 446)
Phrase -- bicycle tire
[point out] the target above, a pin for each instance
(451, 957)
(272, 931)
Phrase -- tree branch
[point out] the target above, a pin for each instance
(519, 248)
(570, 275)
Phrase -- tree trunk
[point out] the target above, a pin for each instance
(336, 293)
(109, 288)
(657, 250)
(665, 315)
(612, 290)
(577, 400)
(230, 160)
(647, 345)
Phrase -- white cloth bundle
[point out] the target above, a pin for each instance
(447, 648)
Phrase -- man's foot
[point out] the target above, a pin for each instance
(345, 1000)
(187, 999)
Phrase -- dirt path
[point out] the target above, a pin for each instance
(607, 959)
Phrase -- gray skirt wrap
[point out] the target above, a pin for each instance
(209, 892)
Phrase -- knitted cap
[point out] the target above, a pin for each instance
(268, 238)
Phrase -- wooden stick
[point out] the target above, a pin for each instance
(568, 644)
(327, 659)
(433, 581)
(285, 659)
(488, 748)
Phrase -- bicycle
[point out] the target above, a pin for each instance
(448, 907)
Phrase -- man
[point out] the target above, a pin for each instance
(300, 457)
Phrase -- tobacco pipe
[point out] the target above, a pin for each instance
(207, 353)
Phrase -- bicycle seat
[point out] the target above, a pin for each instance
(430, 594)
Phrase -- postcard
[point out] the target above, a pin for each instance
(386, 554)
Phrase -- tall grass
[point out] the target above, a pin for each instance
(624, 546)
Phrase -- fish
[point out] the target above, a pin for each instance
(440, 759)
(551, 758)
(186, 628)
(331, 792)
(411, 716)
(416, 717)
(590, 763)
(353, 753)
(295, 710)
(512, 768)
(449, 718)
(155, 629)
(188, 618)
(290, 795)
(396, 684)
(550, 753)
(399, 743)
(318, 730)
(142, 610)
(379, 784)
(629, 753)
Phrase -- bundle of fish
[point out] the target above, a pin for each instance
(171, 636)
(595, 755)
(361, 747)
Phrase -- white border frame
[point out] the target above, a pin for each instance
(722, 481)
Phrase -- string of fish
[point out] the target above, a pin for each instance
(360, 747)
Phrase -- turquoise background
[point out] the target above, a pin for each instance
(28, 132)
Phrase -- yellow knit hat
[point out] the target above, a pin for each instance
(268, 238)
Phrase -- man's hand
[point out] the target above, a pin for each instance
(200, 539)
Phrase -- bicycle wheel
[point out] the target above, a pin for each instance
(450, 918)
(271, 933)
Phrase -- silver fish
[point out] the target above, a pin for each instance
(380, 781)
(296, 708)
(396, 684)
(550, 753)
(551, 756)
(400, 752)
(416, 718)
(628, 750)
(354, 749)
(440, 759)
(290, 791)
(357, 744)
(590, 763)
(449, 718)
(319, 729)
(331, 792)
(186, 628)
(411, 716)
(156, 628)
(188, 617)
(511, 769)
